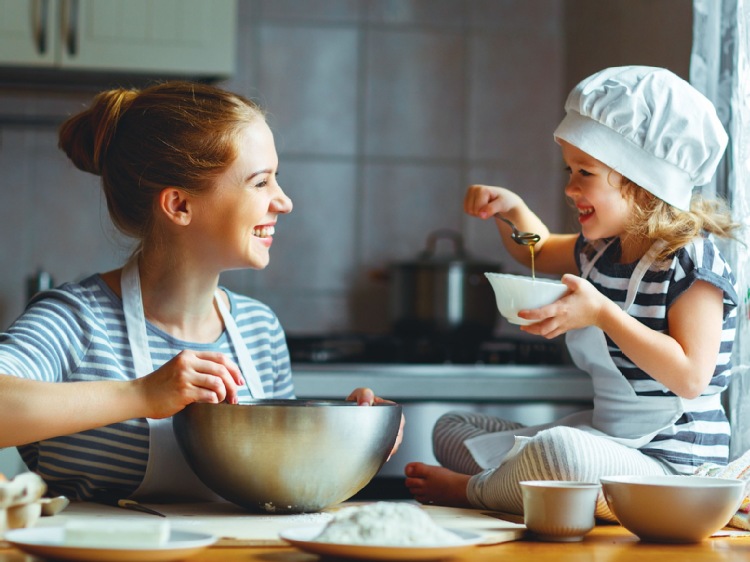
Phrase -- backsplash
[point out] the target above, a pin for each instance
(383, 112)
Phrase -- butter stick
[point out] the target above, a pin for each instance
(116, 534)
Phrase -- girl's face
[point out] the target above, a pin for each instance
(238, 216)
(594, 189)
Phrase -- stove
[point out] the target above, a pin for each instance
(426, 349)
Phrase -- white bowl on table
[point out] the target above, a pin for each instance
(559, 510)
(520, 292)
(673, 508)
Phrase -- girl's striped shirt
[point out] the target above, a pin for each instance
(701, 434)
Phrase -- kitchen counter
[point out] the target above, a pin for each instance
(605, 543)
(407, 382)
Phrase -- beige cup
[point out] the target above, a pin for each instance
(561, 511)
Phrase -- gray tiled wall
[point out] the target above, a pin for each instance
(383, 111)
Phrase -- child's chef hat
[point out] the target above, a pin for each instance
(649, 125)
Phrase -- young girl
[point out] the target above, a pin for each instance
(650, 310)
(92, 372)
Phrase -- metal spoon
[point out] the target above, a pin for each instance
(522, 238)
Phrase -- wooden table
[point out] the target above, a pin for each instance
(246, 537)
(606, 543)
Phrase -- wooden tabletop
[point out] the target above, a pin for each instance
(606, 543)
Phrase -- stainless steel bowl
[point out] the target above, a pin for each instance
(287, 456)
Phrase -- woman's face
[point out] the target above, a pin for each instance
(594, 189)
(239, 214)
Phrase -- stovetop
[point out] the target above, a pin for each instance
(426, 349)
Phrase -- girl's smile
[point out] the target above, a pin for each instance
(594, 188)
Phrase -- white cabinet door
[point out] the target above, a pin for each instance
(170, 37)
(28, 32)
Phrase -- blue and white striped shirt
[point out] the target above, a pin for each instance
(77, 333)
(699, 435)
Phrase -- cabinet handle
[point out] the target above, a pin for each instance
(40, 13)
(70, 26)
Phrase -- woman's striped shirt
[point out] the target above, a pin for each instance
(701, 434)
(77, 333)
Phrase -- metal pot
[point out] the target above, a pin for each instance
(443, 293)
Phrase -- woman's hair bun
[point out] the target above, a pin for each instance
(86, 136)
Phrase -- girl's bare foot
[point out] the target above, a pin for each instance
(436, 484)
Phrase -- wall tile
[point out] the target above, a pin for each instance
(310, 312)
(516, 99)
(314, 246)
(415, 94)
(402, 204)
(308, 80)
(449, 13)
(517, 16)
(78, 238)
(245, 79)
(321, 11)
(15, 183)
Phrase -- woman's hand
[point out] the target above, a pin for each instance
(366, 397)
(190, 376)
(580, 307)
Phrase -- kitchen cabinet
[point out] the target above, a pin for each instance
(191, 38)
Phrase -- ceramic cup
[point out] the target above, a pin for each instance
(560, 511)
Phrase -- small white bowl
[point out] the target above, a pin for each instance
(519, 292)
(675, 508)
(559, 511)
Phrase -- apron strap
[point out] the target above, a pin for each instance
(640, 270)
(590, 265)
(247, 367)
(135, 318)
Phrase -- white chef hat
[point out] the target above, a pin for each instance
(649, 125)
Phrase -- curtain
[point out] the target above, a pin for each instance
(719, 69)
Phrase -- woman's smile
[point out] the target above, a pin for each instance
(264, 234)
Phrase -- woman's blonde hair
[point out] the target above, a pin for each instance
(175, 134)
(654, 219)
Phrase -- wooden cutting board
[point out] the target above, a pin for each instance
(237, 527)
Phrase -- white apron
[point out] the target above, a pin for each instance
(619, 413)
(168, 475)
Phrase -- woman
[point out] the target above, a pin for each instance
(190, 172)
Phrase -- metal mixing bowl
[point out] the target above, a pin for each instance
(287, 456)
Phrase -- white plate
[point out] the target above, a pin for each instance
(303, 538)
(48, 542)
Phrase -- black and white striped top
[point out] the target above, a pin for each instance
(77, 333)
(699, 435)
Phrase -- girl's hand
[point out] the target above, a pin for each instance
(366, 397)
(190, 376)
(580, 307)
(483, 201)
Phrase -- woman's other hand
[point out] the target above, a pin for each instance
(191, 376)
(366, 397)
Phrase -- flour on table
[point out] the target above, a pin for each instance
(386, 524)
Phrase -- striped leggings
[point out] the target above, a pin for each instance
(557, 453)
